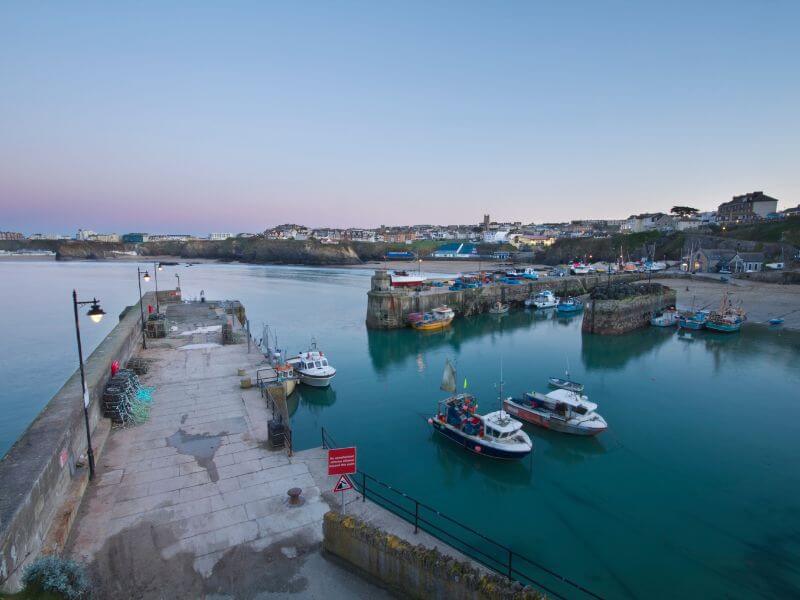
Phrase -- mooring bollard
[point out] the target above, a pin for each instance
(294, 496)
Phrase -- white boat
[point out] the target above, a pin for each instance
(406, 279)
(313, 368)
(579, 268)
(666, 318)
(544, 299)
(559, 410)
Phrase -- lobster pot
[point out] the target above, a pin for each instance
(156, 326)
(118, 395)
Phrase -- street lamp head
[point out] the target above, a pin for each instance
(146, 276)
(160, 268)
(95, 312)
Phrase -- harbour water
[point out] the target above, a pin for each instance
(691, 492)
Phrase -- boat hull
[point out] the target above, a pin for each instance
(432, 326)
(476, 446)
(316, 380)
(544, 420)
(724, 327)
(693, 325)
(289, 386)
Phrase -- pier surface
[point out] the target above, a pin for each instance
(193, 503)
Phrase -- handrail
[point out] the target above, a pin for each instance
(506, 566)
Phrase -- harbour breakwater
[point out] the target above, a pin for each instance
(388, 308)
(615, 316)
(44, 473)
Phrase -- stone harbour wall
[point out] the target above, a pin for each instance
(388, 308)
(615, 317)
(38, 470)
(414, 571)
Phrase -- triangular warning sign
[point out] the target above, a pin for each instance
(343, 484)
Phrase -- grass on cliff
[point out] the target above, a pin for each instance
(787, 231)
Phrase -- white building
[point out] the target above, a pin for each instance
(219, 236)
(105, 237)
(84, 234)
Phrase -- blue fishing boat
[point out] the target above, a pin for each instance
(695, 320)
(776, 321)
(495, 434)
(727, 318)
(569, 306)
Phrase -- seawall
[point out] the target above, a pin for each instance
(413, 571)
(39, 471)
(615, 317)
(387, 308)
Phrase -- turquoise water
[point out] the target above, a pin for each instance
(692, 491)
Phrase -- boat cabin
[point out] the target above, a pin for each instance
(562, 402)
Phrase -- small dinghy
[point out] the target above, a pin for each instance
(566, 384)
(776, 321)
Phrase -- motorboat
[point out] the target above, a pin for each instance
(406, 279)
(560, 410)
(435, 320)
(495, 434)
(727, 318)
(569, 306)
(565, 384)
(312, 368)
(544, 299)
(286, 378)
(665, 318)
(498, 308)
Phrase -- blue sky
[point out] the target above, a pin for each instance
(192, 116)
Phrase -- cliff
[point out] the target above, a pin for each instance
(69, 249)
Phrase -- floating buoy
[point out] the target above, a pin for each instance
(430, 421)
(477, 448)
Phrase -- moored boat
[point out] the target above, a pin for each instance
(313, 368)
(437, 319)
(559, 410)
(666, 318)
(566, 384)
(569, 305)
(727, 318)
(693, 319)
(544, 299)
(495, 434)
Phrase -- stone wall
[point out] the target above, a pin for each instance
(388, 308)
(414, 571)
(614, 317)
(38, 470)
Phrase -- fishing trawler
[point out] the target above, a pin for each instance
(559, 410)
(495, 434)
(406, 279)
(727, 318)
(693, 319)
(435, 320)
(544, 299)
(312, 367)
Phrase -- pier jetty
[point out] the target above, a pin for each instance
(621, 307)
(388, 307)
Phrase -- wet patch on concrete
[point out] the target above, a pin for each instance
(184, 417)
(201, 446)
(244, 573)
(130, 566)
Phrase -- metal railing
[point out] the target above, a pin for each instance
(463, 538)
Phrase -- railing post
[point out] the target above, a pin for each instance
(322, 431)
(416, 516)
(510, 568)
(363, 486)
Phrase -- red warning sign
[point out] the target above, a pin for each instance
(343, 484)
(341, 461)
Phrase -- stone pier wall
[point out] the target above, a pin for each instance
(614, 317)
(414, 571)
(38, 470)
(388, 308)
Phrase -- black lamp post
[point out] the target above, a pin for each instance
(139, 277)
(95, 313)
(179, 280)
(156, 268)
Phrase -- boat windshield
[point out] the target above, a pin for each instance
(324, 362)
(317, 365)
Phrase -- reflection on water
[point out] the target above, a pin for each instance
(690, 493)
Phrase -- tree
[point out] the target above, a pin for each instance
(684, 211)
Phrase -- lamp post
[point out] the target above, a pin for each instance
(179, 280)
(139, 277)
(95, 313)
(156, 268)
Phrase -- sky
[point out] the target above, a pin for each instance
(192, 117)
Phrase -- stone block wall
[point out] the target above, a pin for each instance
(37, 471)
(615, 317)
(414, 571)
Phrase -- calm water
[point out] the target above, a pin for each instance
(692, 492)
